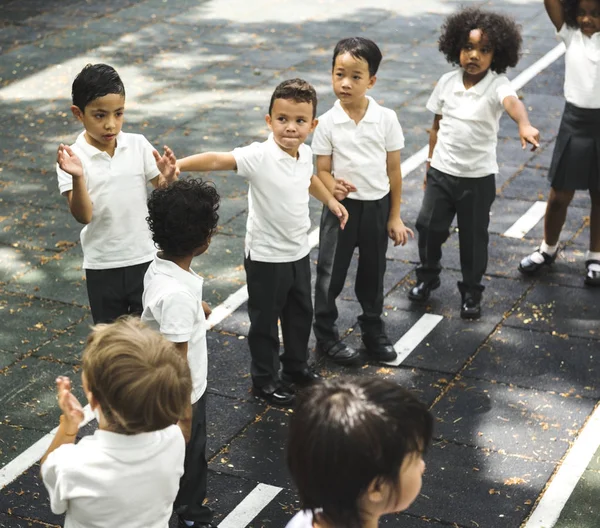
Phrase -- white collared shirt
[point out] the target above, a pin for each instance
(582, 67)
(172, 303)
(359, 151)
(278, 214)
(118, 234)
(468, 134)
(111, 479)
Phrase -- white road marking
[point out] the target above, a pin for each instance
(250, 507)
(541, 64)
(409, 341)
(528, 221)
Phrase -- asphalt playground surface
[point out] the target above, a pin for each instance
(510, 392)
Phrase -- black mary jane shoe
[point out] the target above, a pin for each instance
(422, 290)
(274, 394)
(592, 278)
(528, 266)
(301, 378)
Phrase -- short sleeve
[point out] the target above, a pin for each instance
(504, 89)
(435, 103)
(151, 171)
(65, 180)
(566, 34)
(178, 316)
(394, 137)
(321, 143)
(56, 477)
(248, 159)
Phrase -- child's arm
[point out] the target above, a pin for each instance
(79, 200)
(518, 113)
(338, 187)
(207, 161)
(185, 422)
(167, 166)
(555, 11)
(320, 192)
(433, 134)
(397, 231)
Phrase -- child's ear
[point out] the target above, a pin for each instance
(76, 111)
(376, 491)
(372, 81)
(315, 122)
(269, 121)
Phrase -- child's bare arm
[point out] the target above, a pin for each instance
(518, 113)
(320, 192)
(397, 231)
(433, 133)
(339, 187)
(185, 422)
(208, 161)
(78, 198)
(167, 165)
(555, 11)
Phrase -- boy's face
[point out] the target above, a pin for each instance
(410, 481)
(477, 55)
(588, 16)
(291, 123)
(351, 79)
(102, 120)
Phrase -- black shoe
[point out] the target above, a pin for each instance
(422, 290)
(182, 524)
(470, 308)
(274, 394)
(379, 347)
(529, 267)
(301, 378)
(592, 278)
(338, 352)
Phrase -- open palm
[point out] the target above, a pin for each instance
(69, 162)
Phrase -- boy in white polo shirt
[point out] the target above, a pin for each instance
(104, 175)
(280, 173)
(357, 144)
(182, 218)
(460, 180)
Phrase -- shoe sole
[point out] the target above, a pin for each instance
(434, 286)
(591, 282)
(470, 316)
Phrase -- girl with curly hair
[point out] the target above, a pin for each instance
(461, 168)
(576, 159)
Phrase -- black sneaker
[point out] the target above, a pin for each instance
(470, 308)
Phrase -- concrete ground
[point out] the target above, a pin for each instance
(509, 392)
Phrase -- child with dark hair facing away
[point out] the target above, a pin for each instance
(127, 473)
(182, 218)
(576, 159)
(468, 103)
(104, 175)
(355, 452)
(357, 144)
(280, 173)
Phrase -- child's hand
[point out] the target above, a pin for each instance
(338, 210)
(68, 161)
(167, 164)
(398, 232)
(69, 405)
(206, 308)
(342, 188)
(529, 134)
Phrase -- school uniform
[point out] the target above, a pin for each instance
(276, 257)
(117, 245)
(461, 180)
(359, 155)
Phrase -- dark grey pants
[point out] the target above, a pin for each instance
(470, 199)
(366, 230)
(278, 291)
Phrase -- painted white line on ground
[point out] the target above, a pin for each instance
(566, 478)
(250, 507)
(415, 161)
(528, 221)
(409, 341)
(32, 454)
(541, 64)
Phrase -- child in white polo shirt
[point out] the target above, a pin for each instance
(460, 180)
(182, 218)
(127, 473)
(104, 175)
(280, 173)
(358, 142)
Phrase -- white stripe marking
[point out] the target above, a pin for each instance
(566, 478)
(31, 455)
(541, 64)
(409, 341)
(250, 507)
(415, 161)
(528, 221)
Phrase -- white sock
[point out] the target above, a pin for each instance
(549, 250)
(593, 255)
(188, 523)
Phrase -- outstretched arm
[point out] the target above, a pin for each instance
(320, 192)
(207, 161)
(518, 113)
(79, 200)
(555, 11)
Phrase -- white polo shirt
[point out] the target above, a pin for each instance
(359, 151)
(278, 215)
(172, 303)
(111, 479)
(468, 134)
(582, 67)
(118, 234)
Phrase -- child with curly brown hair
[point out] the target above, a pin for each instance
(461, 167)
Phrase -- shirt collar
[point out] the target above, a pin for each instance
(190, 278)
(91, 151)
(372, 115)
(279, 154)
(478, 89)
(124, 441)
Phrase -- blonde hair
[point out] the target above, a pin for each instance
(138, 377)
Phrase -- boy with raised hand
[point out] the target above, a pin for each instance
(104, 175)
(280, 173)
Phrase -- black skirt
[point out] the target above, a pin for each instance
(576, 158)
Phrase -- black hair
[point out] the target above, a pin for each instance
(503, 33)
(359, 48)
(94, 81)
(570, 8)
(345, 433)
(183, 215)
(298, 90)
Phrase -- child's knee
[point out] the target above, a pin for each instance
(559, 200)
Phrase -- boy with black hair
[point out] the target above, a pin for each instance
(280, 173)
(182, 218)
(104, 175)
(358, 146)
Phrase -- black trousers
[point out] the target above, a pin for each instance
(115, 292)
(367, 230)
(278, 290)
(192, 486)
(470, 199)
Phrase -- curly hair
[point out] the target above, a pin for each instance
(503, 33)
(570, 8)
(183, 216)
